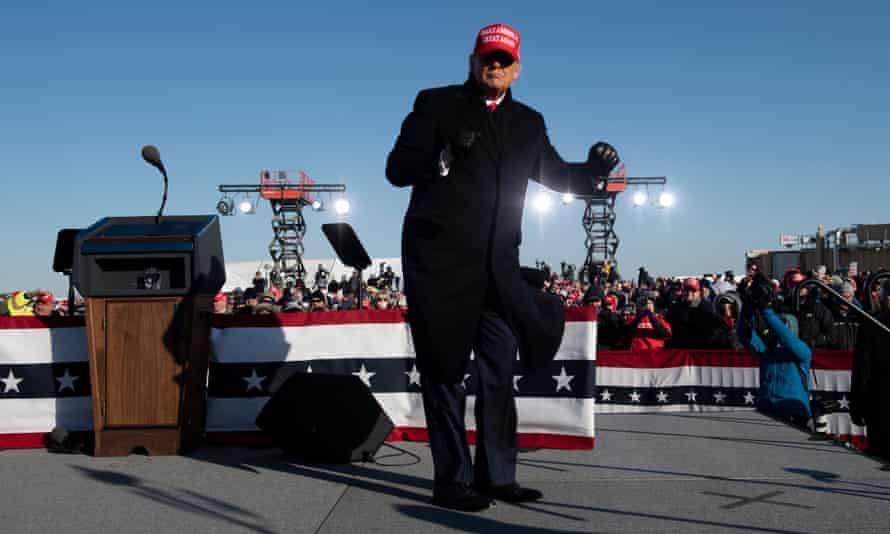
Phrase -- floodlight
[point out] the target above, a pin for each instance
(666, 200)
(341, 206)
(567, 198)
(245, 206)
(225, 206)
(317, 204)
(640, 198)
(543, 202)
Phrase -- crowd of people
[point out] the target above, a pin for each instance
(379, 292)
(702, 312)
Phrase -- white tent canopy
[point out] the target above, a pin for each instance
(241, 273)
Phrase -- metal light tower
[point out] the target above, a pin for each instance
(599, 217)
(288, 192)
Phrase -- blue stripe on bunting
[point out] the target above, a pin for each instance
(40, 380)
(392, 375)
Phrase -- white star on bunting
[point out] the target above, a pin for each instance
(463, 382)
(11, 383)
(309, 368)
(844, 403)
(364, 375)
(563, 380)
(662, 397)
(254, 381)
(413, 375)
(749, 399)
(606, 396)
(66, 381)
(690, 397)
(719, 397)
(634, 397)
(516, 379)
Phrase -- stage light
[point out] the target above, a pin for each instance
(666, 200)
(543, 202)
(567, 198)
(225, 206)
(640, 198)
(341, 206)
(245, 206)
(317, 205)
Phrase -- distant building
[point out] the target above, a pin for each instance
(865, 246)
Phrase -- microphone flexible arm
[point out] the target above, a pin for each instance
(163, 199)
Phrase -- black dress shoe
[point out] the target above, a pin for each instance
(512, 492)
(458, 496)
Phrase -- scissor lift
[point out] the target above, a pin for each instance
(601, 240)
(288, 192)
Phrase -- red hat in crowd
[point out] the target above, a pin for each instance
(611, 302)
(220, 297)
(497, 37)
(792, 277)
(692, 284)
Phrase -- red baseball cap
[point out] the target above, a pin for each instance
(692, 284)
(46, 298)
(497, 37)
(220, 297)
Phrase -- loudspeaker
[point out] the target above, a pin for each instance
(325, 417)
(64, 255)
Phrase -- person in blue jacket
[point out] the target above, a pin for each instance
(784, 359)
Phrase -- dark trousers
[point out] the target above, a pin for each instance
(445, 405)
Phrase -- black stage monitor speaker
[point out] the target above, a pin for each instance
(64, 256)
(324, 417)
(347, 246)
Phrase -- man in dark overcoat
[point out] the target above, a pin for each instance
(468, 152)
(870, 401)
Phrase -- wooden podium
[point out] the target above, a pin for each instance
(148, 366)
(149, 290)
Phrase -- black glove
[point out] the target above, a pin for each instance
(761, 292)
(602, 158)
(451, 151)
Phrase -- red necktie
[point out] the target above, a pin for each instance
(492, 106)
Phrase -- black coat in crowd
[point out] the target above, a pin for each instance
(693, 327)
(815, 324)
(462, 231)
(871, 383)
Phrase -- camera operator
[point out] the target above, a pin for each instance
(784, 358)
(870, 404)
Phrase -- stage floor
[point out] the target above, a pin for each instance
(701, 472)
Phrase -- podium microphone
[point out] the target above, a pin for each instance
(151, 155)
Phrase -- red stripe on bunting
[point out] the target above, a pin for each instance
(37, 440)
(832, 360)
(526, 440)
(574, 314)
(30, 322)
(30, 440)
(825, 360)
(654, 359)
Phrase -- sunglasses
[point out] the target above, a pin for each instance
(503, 58)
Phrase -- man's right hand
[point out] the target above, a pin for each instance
(602, 158)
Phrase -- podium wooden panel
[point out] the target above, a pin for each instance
(148, 367)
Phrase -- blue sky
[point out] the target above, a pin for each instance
(767, 117)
